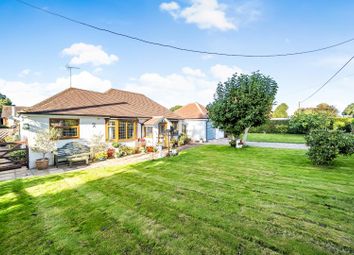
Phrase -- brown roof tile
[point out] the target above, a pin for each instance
(113, 103)
(193, 111)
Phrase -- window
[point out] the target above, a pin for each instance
(184, 129)
(174, 127)
(67, 128)
(148, 131)
(112, 130)
(120, 130)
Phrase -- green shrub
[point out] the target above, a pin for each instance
(183, 139)
(124, 150)
(232, 142)
(326, 145)
(19, 155)
(101, 155)
(303, 123)
(273, 127)
(174, 142)
(343, 123)
(116, 144)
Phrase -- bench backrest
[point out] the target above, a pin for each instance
(72, 148)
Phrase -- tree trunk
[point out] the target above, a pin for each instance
(244, 138)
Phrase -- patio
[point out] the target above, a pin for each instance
(136, 158)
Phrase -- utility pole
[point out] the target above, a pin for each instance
(70, 72)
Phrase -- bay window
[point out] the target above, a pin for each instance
(121, 130)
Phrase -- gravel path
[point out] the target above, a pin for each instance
(225, 141)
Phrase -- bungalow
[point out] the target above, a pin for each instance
(196, 123)
(9, 114)
(117, 115)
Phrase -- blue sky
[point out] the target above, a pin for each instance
(35, 47)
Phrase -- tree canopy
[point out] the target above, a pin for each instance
(322, 108)
(281, 111)
(241, 102)
(4, 100)
(349, 110)
(327, 109)
(175, 108)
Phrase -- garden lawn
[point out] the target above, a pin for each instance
(208, 200)
(276, 138)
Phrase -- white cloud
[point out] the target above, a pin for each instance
(332, 62)
(174, 88)
(97, 70)
(206, 14)
(193, 72)
(22, 93)
(27, 94)
(181, 88)
(83, 53)
(83, 80)
(172, 6)
(249, 11)
(24, 72)
(223, 72)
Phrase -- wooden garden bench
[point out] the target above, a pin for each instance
(71, 153)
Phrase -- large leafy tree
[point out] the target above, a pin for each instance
(4, 100)
(281, 111)
(243, 101)
(349, 110)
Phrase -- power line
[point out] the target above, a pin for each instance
(181, 48)
(331, 78)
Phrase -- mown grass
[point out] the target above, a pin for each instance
(276, 138)
(207, 200)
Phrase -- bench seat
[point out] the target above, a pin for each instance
(72, 152)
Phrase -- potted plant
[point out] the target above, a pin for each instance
(45, 142)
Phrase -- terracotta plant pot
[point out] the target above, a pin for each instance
(42, 164)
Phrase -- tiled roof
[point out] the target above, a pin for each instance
(113, 103)
(153, 121)
(193, 111)
(7, 110)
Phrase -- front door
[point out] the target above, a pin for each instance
(163, 135)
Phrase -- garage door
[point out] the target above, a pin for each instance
(211, 132)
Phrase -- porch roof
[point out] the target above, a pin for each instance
(153, 121)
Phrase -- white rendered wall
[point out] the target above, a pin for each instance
(219, 133)
(196, 129)
(89, 126)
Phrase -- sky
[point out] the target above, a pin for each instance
(35, 48)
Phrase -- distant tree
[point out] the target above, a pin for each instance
(243, 101)
(327, 109)
(349, 110)
(175, 108)
(4, 100)
(304, 121)
(281, 111)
